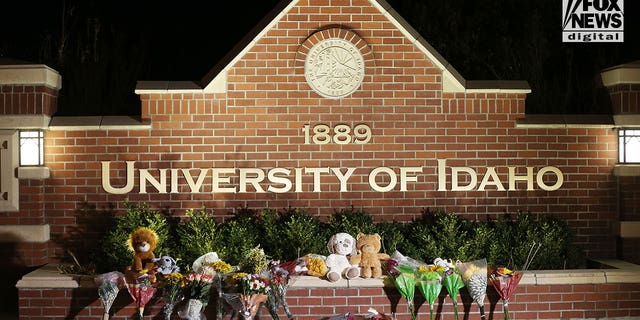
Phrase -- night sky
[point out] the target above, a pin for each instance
(112, 44)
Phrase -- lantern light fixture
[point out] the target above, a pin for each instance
(31, 148)
(629, 145)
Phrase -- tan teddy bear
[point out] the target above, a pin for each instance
(368, 257)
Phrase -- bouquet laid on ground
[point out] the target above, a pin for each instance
(141, 287)
(211, 265)
(172, 290)
(430, 284)
(403, 272)
(451, 280)
(255, 290)
(505, 281)
(278, 283)
(109, 285)
(474, 276)
(197, 292)
(252, 291)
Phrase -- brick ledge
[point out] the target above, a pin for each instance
(617, 271)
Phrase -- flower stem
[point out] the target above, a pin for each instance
(505, 309)
(168, 310)
(455, 309)
(411, 309)
(431, 311)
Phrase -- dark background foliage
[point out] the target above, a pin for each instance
(102, 48)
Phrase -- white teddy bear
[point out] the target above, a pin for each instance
(341, 246)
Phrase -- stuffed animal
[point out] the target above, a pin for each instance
(341, 246)
(368, 257)
(166, 265)
(142, 242)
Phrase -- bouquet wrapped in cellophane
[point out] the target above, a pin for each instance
(402, 270)
(474, 276)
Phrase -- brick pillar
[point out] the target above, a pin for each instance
(28, 100)
(623, 84)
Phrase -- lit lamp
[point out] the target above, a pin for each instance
(31, 148)
(629, 145)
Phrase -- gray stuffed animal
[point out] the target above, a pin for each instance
(166, 265)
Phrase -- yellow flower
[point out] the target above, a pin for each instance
(470, 271)
(316, 267)
(222, 267)
(424, 269)
(174, 277)
(235, 278)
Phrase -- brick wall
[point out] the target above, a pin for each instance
(579, 301)
(625, 98)
(28, 100)
(257, 123)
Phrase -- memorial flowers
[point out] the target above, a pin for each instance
(405, 282)
(172, 290)
(451, 280)
(109, 284)
(141, 287)
(430, 284)
(474, 276)
(254, 288)
(505, 282)
(197, 288)
(403, 273)
(278, 283)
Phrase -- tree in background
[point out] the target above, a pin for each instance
(102, 48)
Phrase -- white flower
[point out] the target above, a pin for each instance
(446, 264)
(208, 270)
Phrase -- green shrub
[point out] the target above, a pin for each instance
(440, 234)
(198, 235)
(271, 240)
(500, 249)
(287, 235)
(352, 222)
(302, 233)
(550, 238)
(392, 234)
(481, 236)
(117, 255)
(239, 235)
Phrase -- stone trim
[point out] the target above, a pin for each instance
(563, 121)
(34, 173)
(30, 74)
(623, 74)
(629, 229)
(24, 121)
(98, 123)
(626, 170)
(617, 271)
(627, 120)
(24, 233)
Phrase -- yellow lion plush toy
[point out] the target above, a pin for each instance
(142, 242)
(368, 257)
